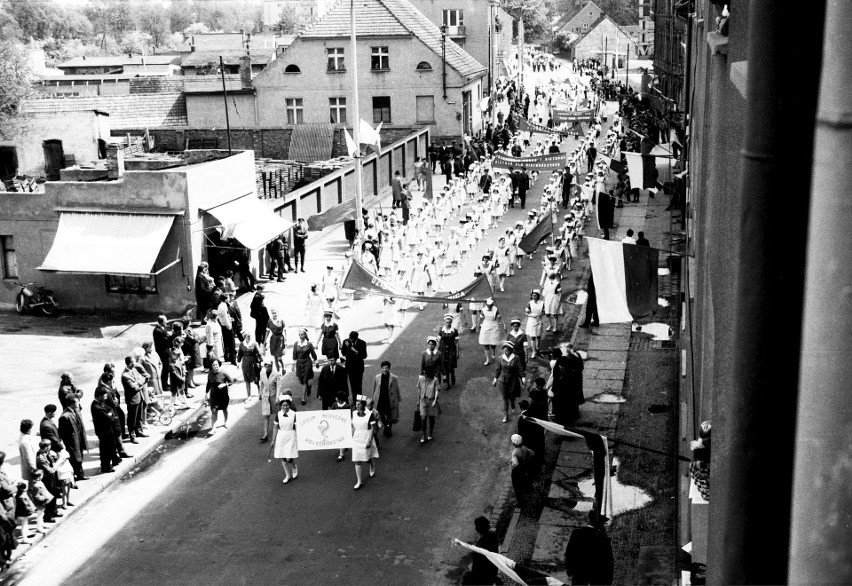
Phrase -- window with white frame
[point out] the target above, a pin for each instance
(335, 59)
(10, 257)
(337, 110)
(453, 17)
(295, 111)
(381, 109)
(379, 59)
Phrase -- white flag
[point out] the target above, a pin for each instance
(351, 147)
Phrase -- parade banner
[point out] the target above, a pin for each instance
(358, 278)
(324, 430)
(551, 162)
(339, 213)
(531, 241)
(625, 279)
(560, 115)
(525, 125)
(516, 572)
(599, 446)
(642, 170)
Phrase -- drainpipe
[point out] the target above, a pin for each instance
(752, 462)
(822, 501)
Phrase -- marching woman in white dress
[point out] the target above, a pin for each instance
(489, 332)
(389, 315)
(364, 448)
(552, 301)
(504, 263)
(421, 276)
(534, 311)
(284, 439)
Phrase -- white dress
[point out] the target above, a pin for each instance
(213, 332)
(313, 310)
(552, 298)
(536, 308)
(389, 312)
(489, 331)
(361, 433)
(285, 441)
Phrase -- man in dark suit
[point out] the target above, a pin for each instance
(513, 177)
(48, 430)
(523, 186)
(332, 380)
(133, 385)
(588, 555)
(567, 180)
(73, 435)
(354, 353)
(162, 345)
(591, 155)
(103, 418)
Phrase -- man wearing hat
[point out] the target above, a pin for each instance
(354, 353)
(102, 418)
(332, 380)
(523, 186)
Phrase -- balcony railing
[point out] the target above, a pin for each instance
(456, 31)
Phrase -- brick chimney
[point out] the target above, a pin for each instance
(245, 71)
(115, 161)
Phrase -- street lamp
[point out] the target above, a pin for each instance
(444, 58)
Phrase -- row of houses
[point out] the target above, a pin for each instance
(593, 34)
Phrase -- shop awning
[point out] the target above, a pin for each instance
(249, 221)
(108, 243)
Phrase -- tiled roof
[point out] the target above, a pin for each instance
(132, 111)
(119, 60)
(202, 58)
(390, 18)
(311, 142)
(573, 12)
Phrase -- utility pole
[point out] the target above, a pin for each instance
(225, 95)
(356, 126)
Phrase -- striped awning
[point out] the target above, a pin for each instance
(108, 243)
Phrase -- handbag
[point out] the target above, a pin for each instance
(418, 422)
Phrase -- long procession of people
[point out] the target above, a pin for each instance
(417, 247)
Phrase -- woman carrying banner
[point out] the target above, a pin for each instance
(509, 378)
(303, 359)
(428, 387)
(284, 439)
(489, 333)
(534, 311)
(449, 349)
(364, 448)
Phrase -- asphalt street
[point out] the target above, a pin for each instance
(214, 510)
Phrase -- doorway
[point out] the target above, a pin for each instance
(54, 158)
(8, 162)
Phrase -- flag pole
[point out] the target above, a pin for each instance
(356, 127)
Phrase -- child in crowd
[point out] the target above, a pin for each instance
(341, 402)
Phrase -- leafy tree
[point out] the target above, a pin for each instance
(9, 27)
(534, 13)
(36, 18)
(181, 15)
(154, 22)
(136, 43)
(16, 84)
(196, 28)
(288, 21)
